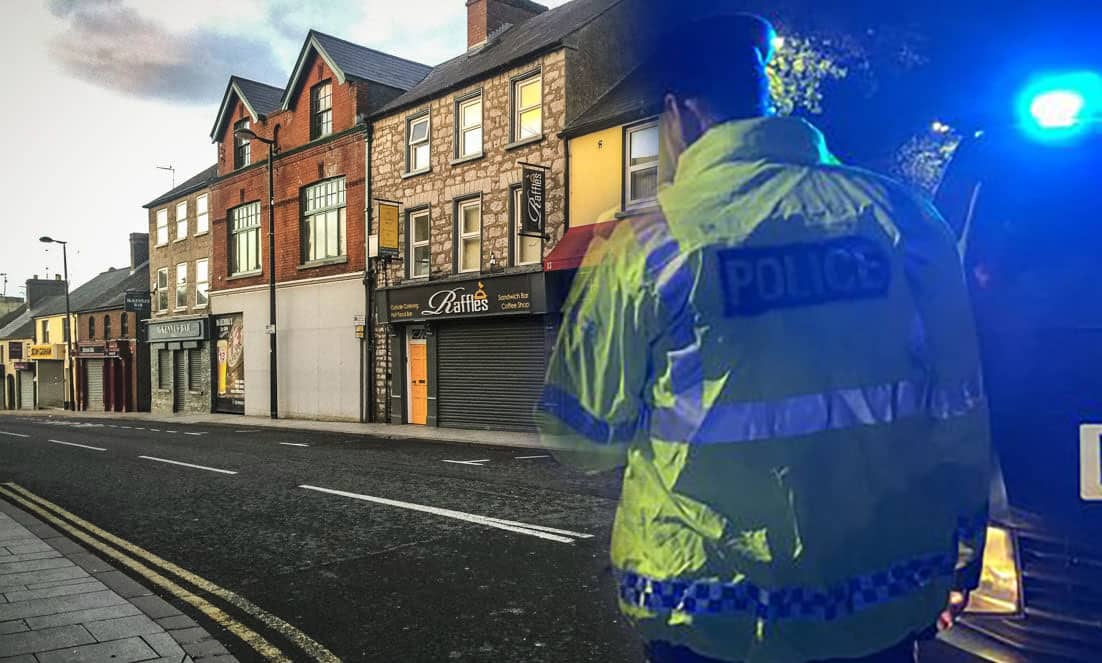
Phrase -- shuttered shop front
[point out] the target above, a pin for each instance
(490, 372)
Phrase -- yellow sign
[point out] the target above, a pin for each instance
(42, 352)
(388, 230)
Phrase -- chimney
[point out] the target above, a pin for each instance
(39, 289)
(139, 249)
(485, 17)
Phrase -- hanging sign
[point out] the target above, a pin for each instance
(388, 230)
(533, 201)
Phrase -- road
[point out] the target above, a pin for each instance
(377, 549)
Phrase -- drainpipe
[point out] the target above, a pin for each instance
(369, 287)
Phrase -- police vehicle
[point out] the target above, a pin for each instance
(1026, 202)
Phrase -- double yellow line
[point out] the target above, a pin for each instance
(153, 568)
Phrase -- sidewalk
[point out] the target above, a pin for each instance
(386, 431)
(61, 604)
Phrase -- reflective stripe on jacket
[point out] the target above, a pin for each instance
(785, 360)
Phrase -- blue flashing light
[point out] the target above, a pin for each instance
(1057, 109)
(1061, 106)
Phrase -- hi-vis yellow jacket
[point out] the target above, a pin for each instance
(785, 360)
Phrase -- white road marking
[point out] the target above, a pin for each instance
(171, 431)
(528, 457)
(198, 467)
(508, 525)
(138, 428)
(244, 431)
(82, 446)
(293, 444)
(194, 433)
(13, 434)
(126, 427)
(541, 528)
(477, 463)
(155, 430)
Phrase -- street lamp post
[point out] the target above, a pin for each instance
(273, 385)
(67, 328)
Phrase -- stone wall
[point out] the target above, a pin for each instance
(195, 402)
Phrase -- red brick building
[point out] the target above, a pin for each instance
(317, 124)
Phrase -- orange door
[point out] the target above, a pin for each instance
(418, 383)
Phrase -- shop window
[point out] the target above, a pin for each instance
(124, 325)
(468, 118)
(242, 147)
(181, 221)
(107, 327)
(641, 165)
(470, 235)
(162, 289)
(528, 250)
(202, 282)
(202, 214)
(245, 239)
(181, 286)
(420, 254)
(417, 150)
(162, 227)
(164, 369)
(194, 370)
(528, 108)
(323, 221)
(91, 328)
(321, 110)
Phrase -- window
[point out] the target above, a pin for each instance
(417, 153)
(107, 327)
(419, 252)
(164, 369)
(65, 330)
(181, 286)
(194, 370)
(641, 168)
(91, 328)
(202, 282)
(470, 236)
(242, 148)
(469, 120)
(528, 111)
(45, 332)
(124, 325)
(181, 221)
(162, 227)
(527, 250)
(202, 215)
(321, 110)
(323, 220)
(162, 289)
(245, 239)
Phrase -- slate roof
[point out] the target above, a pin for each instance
(104, 291)
(636, 97)
(261, 98)
(535, 35)
(23, 325)
(368, 64)
(199, 181)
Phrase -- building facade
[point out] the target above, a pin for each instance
(465, 313)
(178, 331)
(18, 385)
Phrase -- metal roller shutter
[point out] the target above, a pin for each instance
(26, 390)
(490, 373)
(179, 380)
(95, 384)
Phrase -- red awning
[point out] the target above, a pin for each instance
(570, 251)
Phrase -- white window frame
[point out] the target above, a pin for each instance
(252, 229)
(412, 165)
(181, 221)
(323, 205)
(161, 289)
(462, 151)
(630, 200)
(162, 226)
(180, 287)
(202, 283)
(464, 237)
(518, 239)
(202, 214)
(414, 244)
(243, 144)
(321, 126)
(519, 111)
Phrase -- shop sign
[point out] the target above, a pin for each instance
(533, 201)
(388, 230)
(502, 295)
(91, 350)
(178, 330)
(137, 301)
(23, 366)
(42, 352)
(15, 350)
(229, 389)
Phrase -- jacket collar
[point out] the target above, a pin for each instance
(771, 139)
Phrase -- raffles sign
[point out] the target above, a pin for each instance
(534, 201)
(501, 295)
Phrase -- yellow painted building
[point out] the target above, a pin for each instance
(53, 367)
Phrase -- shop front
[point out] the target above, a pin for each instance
(22, 387)
(49, 372)
(180, 366)
(467, 353)
(106, 376)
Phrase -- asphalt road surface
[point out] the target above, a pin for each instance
(379, 550)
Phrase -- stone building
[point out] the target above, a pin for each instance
(179, 331)
(465, 311)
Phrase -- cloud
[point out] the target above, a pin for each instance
(115, 47)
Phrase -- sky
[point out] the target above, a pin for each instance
(98, 93)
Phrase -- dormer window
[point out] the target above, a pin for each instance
(242, 153)
(321, 110)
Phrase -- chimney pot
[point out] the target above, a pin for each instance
(485, 17)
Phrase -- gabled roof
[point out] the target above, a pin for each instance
(636, 97)
(260, 100)
(22, 326)
(535, 35)
(194, 183)
(105, 290)
(348, 60)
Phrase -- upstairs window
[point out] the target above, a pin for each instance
(91, 328)
(641, 166)
(469, 120)
(417, 152)
(528, 250)
(124, 324)
(470, 236)
(181, 286)
(202, 282)
(323, 224)
(162, 227)
(528, 108)
(202, 214)
(45, 332)
(162, 289)
(419, 252)
(321, 110)
(181, 221)
(107, 327)
(242, 148)
(245, 239)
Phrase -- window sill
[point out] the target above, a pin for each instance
(162, 390)
(523, 142)
(323, 263)
(200, 307)
(245, 275)
(467, 159)
(157, 246)
(205, 232)
(639, 210)
(179, 239)
(415, 173)
(181, 309)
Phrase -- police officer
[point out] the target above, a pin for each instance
(784, 359)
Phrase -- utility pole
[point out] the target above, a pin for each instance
(171, 169)
(4, 275)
